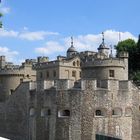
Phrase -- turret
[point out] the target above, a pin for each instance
(103, 48)
(42, 59)
(71, 51)
(2, 62)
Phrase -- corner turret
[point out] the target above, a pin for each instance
(2, 62)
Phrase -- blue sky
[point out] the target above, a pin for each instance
(34, 28)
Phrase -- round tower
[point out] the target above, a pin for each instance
(12, 76)
(103, 68)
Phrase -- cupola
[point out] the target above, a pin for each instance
(103, 48)
(71, 51)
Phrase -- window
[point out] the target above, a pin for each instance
(78, 63)
(32, 112)
(63, 113)
(21, 80)
(54, 73)
(128, 112)
(12, 91)
(41, 75)
(47, 74)
(103, 137)
(74, 63)
(45, 112)
(116, 112)
(111, 73)
(79, 73)
(98, 113)
(73, 73)
(49, 112)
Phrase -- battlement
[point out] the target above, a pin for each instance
(65, 84)
(62, 84)
(47, 64)
(12, 72)
(115, 62)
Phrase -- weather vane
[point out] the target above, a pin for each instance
(71, 41)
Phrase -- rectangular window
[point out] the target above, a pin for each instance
(47, 74)
(73, 73)
(54, 73)
(80, 74)
(41, 75)
(111, 73)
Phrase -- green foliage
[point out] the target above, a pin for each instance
(128, 45)
(1, 14)
(1, 21)
(133, 49)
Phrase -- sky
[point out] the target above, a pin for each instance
(34, 28)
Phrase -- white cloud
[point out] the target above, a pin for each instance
(10, 55)
(6, 33)
(26, 35)
(38, 35)
(5, 10)
(92, 41)
(50, 48)
(84, 42)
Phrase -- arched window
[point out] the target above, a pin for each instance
(100, 112)
(128, 112)
(117, 112)
(32, 112)
(73, 63)
(64, 113)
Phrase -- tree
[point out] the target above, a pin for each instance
(128, 45)
(133, 49)
(0, 17)
(1, 21)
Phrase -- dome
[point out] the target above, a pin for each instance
(71, 49)
(102, 46)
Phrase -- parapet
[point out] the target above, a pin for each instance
(61, 84)
(115, 62)
(42, 59)
(92, 84)
(123, 55)
(106, 85)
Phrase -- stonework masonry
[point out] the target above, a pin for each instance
(80, 96)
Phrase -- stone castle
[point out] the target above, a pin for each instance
(80, 96)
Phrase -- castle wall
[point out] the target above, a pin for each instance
(14, 118)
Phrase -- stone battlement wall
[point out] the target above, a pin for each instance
(115, 62)
(65, 84)
(12, 72)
